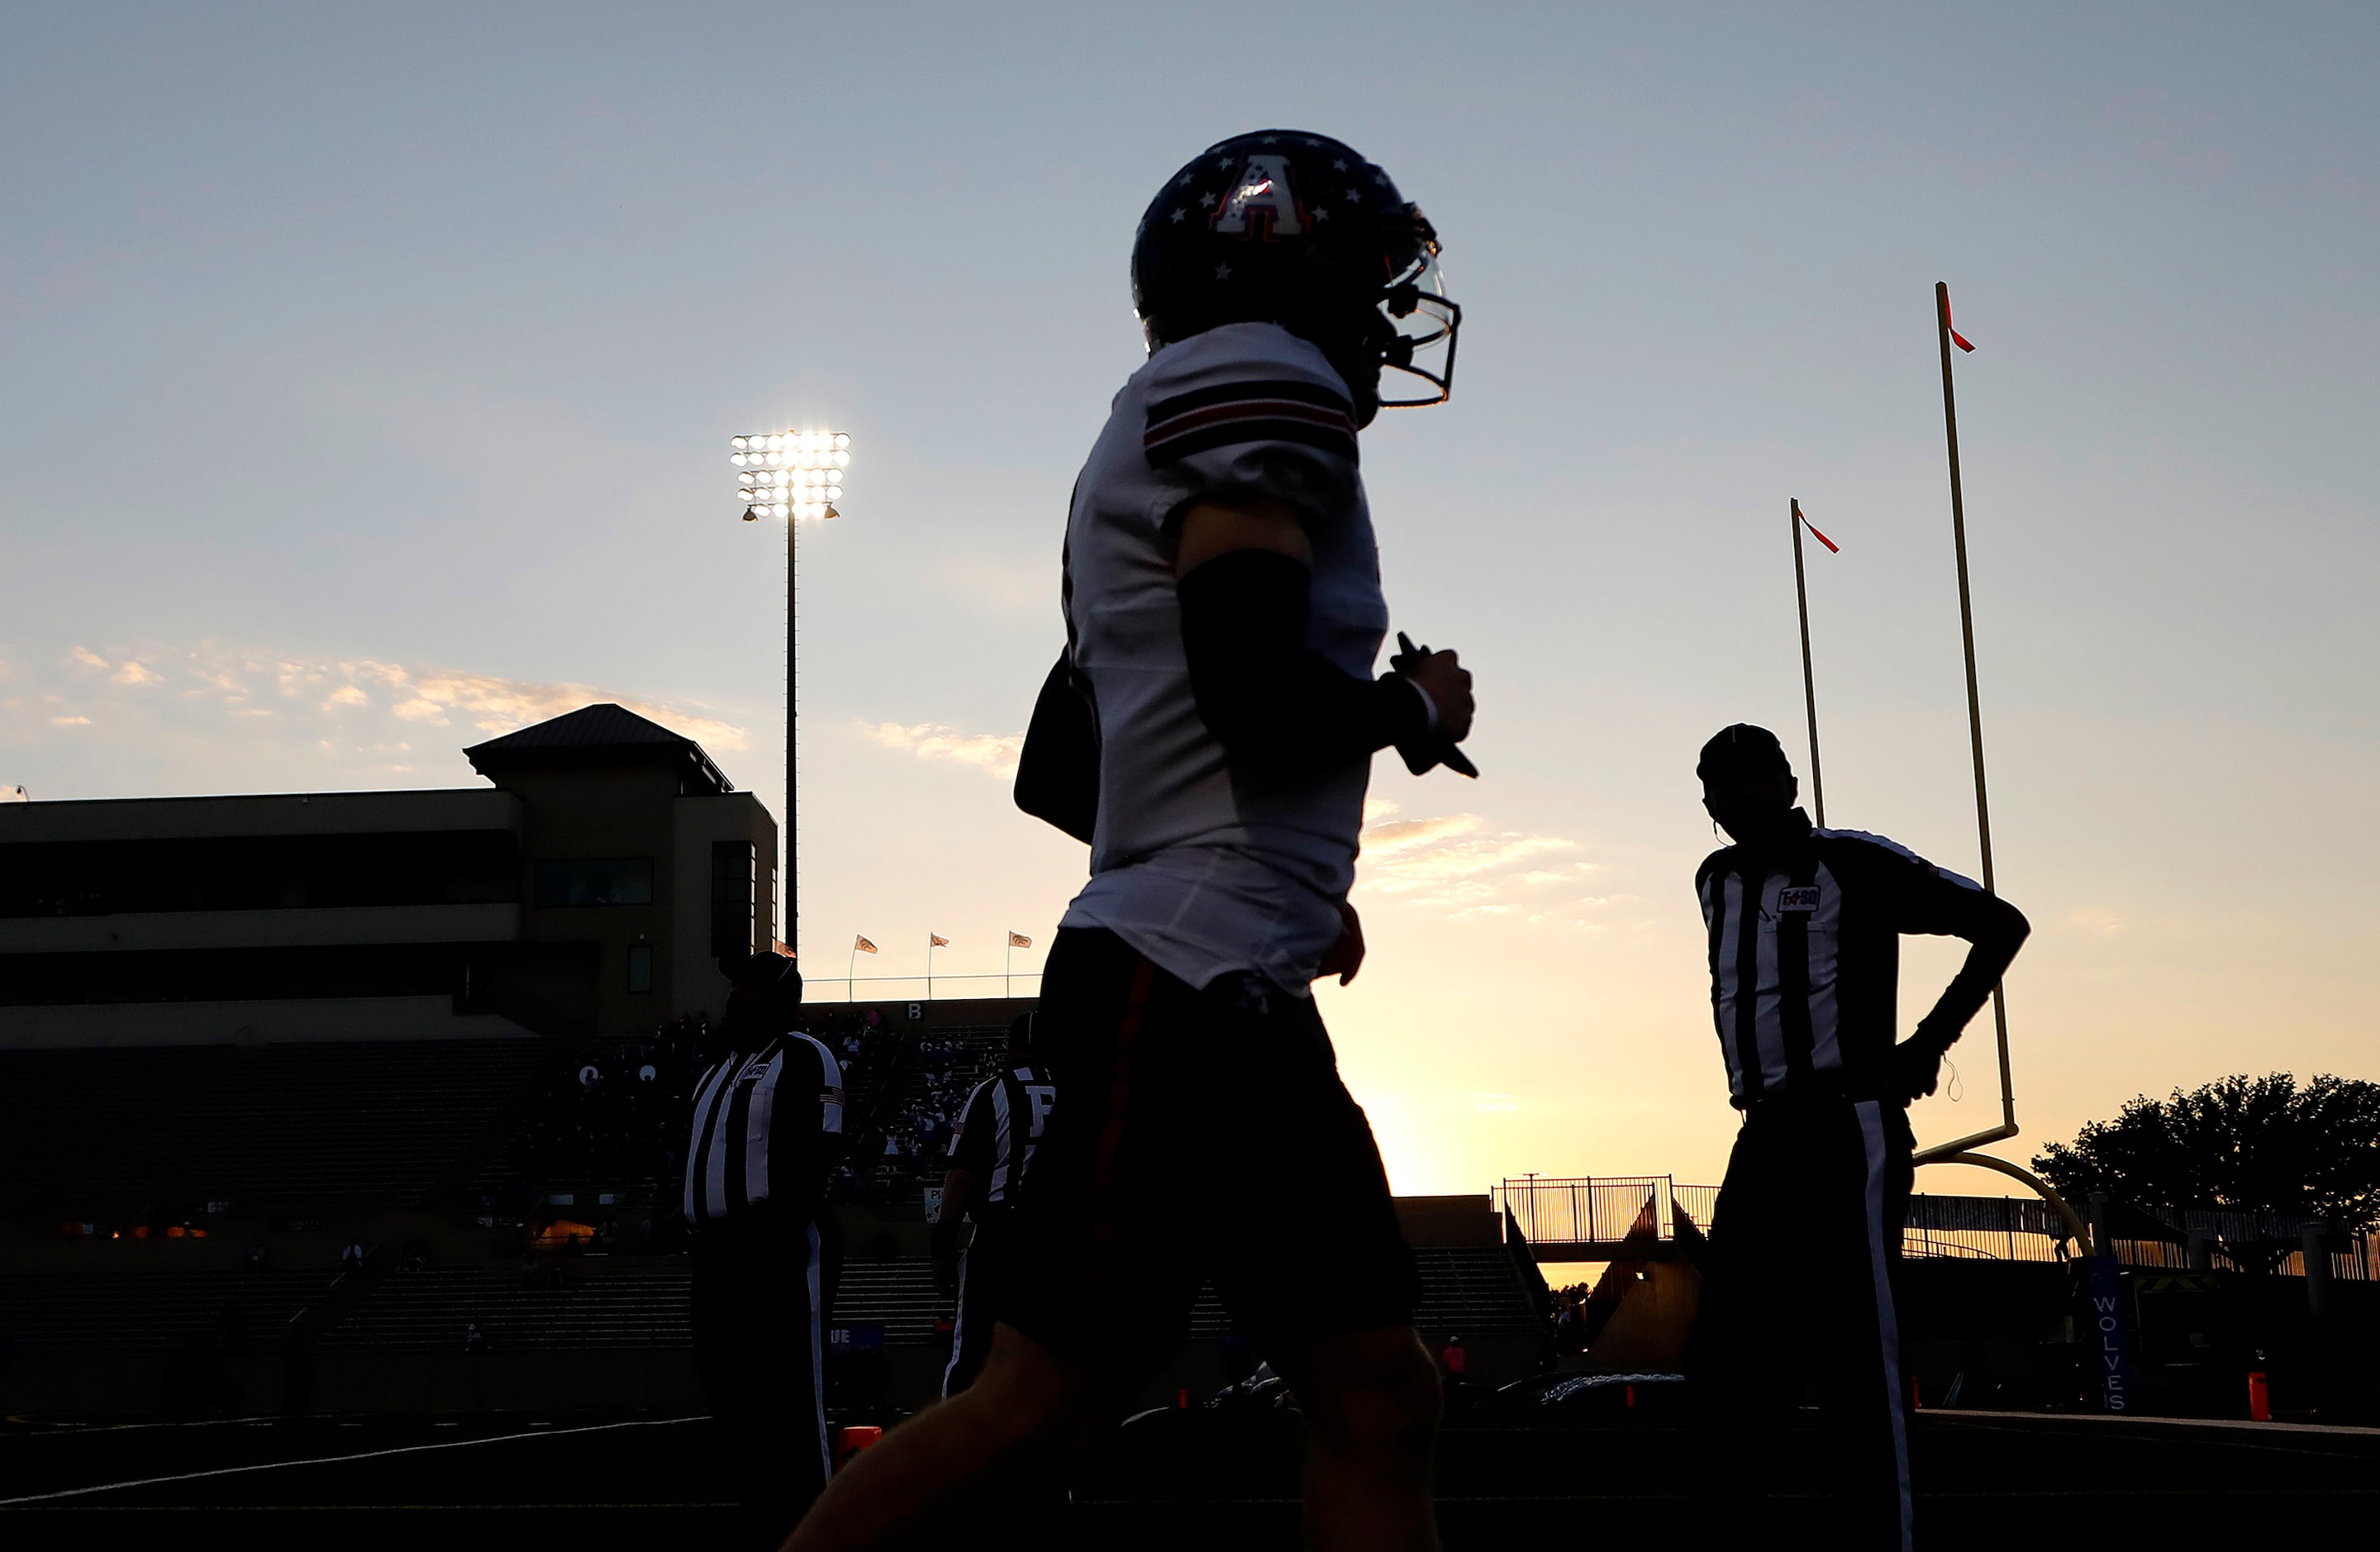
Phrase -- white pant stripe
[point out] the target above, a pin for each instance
(1888, 1322)
(958, 1328)
(817, 1358)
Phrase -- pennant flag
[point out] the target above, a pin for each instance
(1019, 940)
(936, 942)
(1822, 538)
(863, 946)
(1956, 338)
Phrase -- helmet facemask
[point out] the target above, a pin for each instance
(1423, 322)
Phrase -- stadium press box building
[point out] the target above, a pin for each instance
(588, 891)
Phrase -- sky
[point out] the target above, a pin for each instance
(371, 371)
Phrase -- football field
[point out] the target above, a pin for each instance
(1189, 1479)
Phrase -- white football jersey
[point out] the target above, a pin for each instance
(1203, 870)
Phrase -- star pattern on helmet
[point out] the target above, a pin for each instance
(1339, 165)
(1380, 178)
(1205, 199)
(1223, 161)
(1178, 214)
(1222, 271)
(1188, 178)
(1312, 141)
(1321, 213)
(1355, 196)
(1270, 139)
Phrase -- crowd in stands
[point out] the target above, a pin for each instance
(917, 1134)
(614, 1116)
(617, 1114)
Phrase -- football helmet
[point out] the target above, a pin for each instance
(1282, 226)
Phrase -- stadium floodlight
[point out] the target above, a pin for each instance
(789, 475)
(792, 476)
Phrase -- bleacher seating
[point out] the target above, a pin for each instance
(594, 1309)
(923, 1088)
(275, 1131)
(65, 1114)
(119, 1313)
(898, 1294)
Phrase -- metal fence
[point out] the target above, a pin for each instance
(1602, 1209)
(1573, 1210)
(919, 988)
(2026, 1228)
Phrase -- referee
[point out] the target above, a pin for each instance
(767, 1124)
(1804, 929)
(990, 1152)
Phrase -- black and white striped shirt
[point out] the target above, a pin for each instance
(1805, 954)
(761, 1118)
(1003, 1122)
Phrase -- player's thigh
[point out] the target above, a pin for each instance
(1374, 1387)
(1103, 1255)
(1306, 1246)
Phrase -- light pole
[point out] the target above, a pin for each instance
(791, 475)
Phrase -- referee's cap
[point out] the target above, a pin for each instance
(768, 974)
(1743, 749)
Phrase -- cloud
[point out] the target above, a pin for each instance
(354, 713)
(1456, 863)
(995, 754)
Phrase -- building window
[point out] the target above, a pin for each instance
(596, 881)
(732, 888)
(640, 968)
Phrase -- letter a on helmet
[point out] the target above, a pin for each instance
(1263, 196)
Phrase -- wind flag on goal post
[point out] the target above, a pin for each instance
(1809, 680)
(1956, 338)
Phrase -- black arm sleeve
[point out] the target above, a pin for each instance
(1058, 773)
(1994, 928)
(1275, 706)
(801, 1152)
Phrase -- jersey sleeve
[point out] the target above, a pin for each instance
(809, 1094)
(830, 1095)
(805, 1121)
(1249, 411)
(1920, 898)
(971, 1140)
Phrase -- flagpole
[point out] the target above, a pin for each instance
(1007, 963)
(1809, 682)
(929, 965)
(1967, 636)
(851, 973)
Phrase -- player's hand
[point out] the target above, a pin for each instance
(1916, 1068)
(1347, 955)
(1448, 685)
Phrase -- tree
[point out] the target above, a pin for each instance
(2261, 1144)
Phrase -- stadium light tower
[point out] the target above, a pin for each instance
(793, 477)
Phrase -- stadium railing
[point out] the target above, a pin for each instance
(1610, 1210)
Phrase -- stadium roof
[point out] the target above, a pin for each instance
(599, 735)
